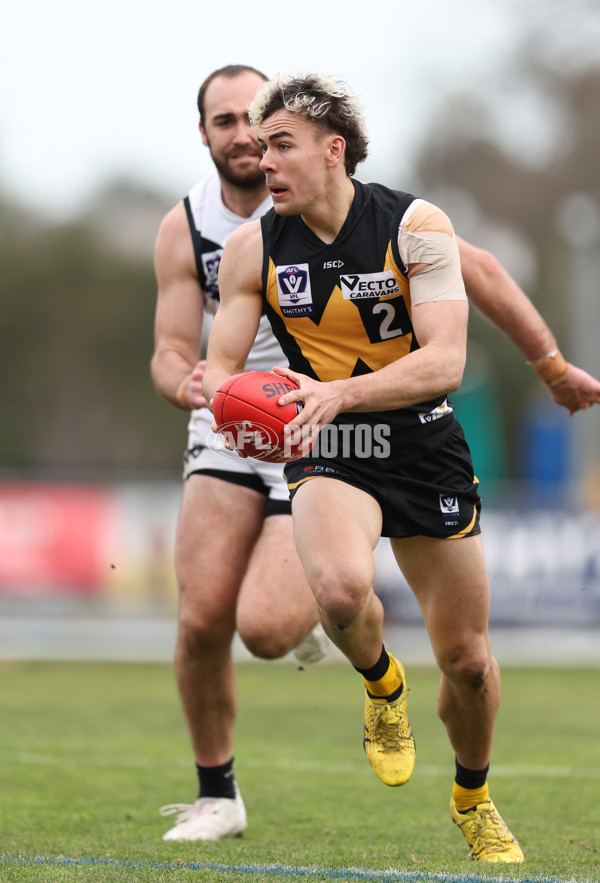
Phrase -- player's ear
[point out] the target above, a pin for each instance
(203, 134)
(336, 149)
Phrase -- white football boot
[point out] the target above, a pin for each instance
(314, 647)
(209, 818)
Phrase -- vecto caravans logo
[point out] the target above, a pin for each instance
(356, 286)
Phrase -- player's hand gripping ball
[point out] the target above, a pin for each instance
(246, 410)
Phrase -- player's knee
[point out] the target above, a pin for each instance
(263, 643)
(201, 635)
(467, 665)
(342, 597)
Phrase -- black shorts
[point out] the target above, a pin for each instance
(434, 495)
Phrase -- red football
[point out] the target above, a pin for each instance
(246, 407)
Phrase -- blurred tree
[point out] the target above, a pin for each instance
(77, 326)
(495, 190)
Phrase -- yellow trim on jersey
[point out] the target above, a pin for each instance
(468, 528)
(333, 347)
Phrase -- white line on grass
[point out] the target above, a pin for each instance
(275, 870)
(545, 772)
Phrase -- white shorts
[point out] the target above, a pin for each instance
(266, 478)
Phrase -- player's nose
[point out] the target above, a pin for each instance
(266, 164)
(244, 134)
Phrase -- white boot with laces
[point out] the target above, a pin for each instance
(209, 818)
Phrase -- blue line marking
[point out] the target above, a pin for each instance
(274, 870)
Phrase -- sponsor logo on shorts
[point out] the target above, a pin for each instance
(441, 411)
(320, 469)
(356, 286)
(293, 290)
(449, 505)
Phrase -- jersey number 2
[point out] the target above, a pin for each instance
(386, 331)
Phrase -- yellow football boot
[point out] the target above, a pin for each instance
(487, 834)
(388, 739)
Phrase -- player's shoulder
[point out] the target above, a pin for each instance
(246, 237)
(173, 248)
(382, 196)
(425, 217)
(242, 255)
(174, 224)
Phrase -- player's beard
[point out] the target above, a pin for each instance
(248, 181)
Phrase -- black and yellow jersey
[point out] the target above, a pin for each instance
(343, 309)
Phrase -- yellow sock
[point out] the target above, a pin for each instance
(466, 798)
(386, 686)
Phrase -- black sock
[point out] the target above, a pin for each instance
(377, 671)
(216, 781)
(470, 778)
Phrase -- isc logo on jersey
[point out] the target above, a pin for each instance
(293, 290)
(355, 286)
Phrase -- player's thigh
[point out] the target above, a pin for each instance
(336, 528)
(449, 580)
(275, 587)
(218, 526)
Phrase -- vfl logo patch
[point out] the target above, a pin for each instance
(437, 413)
(210, 265)
(449, 505)
(356, 286)
(293, 290)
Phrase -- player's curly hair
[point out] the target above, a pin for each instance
(324, 101)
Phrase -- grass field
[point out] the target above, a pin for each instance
(90, 751)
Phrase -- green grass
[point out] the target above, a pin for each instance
(90, 751)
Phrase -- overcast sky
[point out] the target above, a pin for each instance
(91, 91)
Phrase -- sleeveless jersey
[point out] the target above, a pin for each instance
(211, 223)
(343, 309)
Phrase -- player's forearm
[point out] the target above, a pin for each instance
(231, 337)
(171, 372)
(216, 372)
(223, 358)
(427, 373)
(496, 294)
(513, 313)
